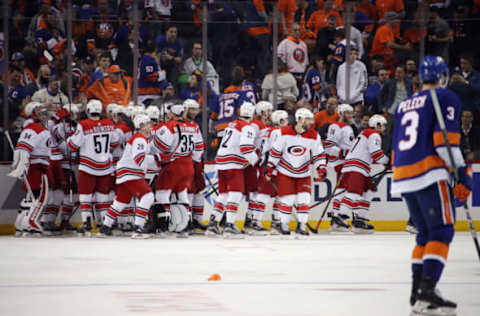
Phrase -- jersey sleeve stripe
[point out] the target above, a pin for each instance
(24, 146)
(163, 147)
(418, 168)
(439, 140)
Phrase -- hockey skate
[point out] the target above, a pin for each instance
(51, 229)
(302, 229)
(411, 227)
(213, 228)
(231, 231)
(196, 227)
(65, 226)
(284, 229)
(430, 302)
(275, 228)
(86, 229)
(141, 233)
(105, 231)
(362, 226)
(339, 224)
(257, 229)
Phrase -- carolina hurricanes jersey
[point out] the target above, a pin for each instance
(61, 131)
(94, 141)
(198, 142)
(292, 153)
(124, 133)
(272, 134)
(36, 140)
(366, 150)
(420, 157)
(340, 137)
(132, 165)
(237, 148)
(179, 139)
(261, 131)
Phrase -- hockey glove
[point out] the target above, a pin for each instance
(20, 164)
(465, 181)
(322, 174)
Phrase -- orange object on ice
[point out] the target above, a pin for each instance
(215, 277)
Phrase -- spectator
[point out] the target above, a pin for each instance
(293, 52)
(195, 63)
(316, 89)
(101, 27)
(376, 63)
(410, 68)
(39, 21)
(318, 19)
(365, 119)
(384, 41)
(43, 78)
(358, 114)
(416, 81)
(17, 93)
(340, 50)
(287, 87)
(48, 36)
(470, 140)
(373, 91)
(18, 29)
(52, 96)
(149, 76)
(439, 35)
(167, 95)
(194, 89)
(159, 9)
(170, 48)
(286, 9)
(466, 84)
(328, 115)
(104, 63)
(358, 80)
(357, 39)
(463, 29)
(325, 45)
(395, 90)
(390, 6)
(18, 60)
(114, 88)
(303, 14)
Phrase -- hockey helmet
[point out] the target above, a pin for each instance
(153, 112)
(140, 119)
(377, 119)
(110, 108)
(191, 104)
(303, 113)
(432, 68)
(247, 110)
(73, 108)
(279, 115)
(29, 108)
(177, 109)
(94, 107)
(263, 106)
(344, 108)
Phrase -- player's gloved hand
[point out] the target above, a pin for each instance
(465, 181)
(322, 174)
(19, 165)
(215, 143)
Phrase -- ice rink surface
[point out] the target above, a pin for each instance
(322, 275)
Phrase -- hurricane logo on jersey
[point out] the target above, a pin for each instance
(299, 55)
(296, 150)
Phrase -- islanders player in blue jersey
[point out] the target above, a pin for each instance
(421, 173)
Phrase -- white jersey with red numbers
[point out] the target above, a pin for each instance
(292, 153)
(261, 132)
(272, 134)
(237, 148)
(132, 165)
(339, 141)
(366, 150)
(124, 133)
(198, 142)
(61, 132)
(37, 141)
(178, 139)
(94, 141)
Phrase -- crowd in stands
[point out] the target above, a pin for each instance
(385, 48)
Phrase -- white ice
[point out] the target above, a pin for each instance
(323, 275)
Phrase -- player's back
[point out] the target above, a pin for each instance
(35, 139)
(131, 166)
(228, 104)
(417, 136)
(229, 155)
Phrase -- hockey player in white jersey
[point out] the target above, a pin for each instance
(94, 140)
(254, 175)
(31, 160)
(235, 153)
(130, 180)
(339, 141)
(366, 150)
(295, 150)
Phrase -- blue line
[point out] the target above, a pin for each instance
(161, 284)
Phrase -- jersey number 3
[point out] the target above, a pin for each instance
(410, 121)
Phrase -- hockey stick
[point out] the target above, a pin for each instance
(211, 185)
(441, 122)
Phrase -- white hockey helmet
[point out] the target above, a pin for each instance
(191, 104)
(344, 108)
(94, 107)
(377, 119)
(138, 110)
(177, 109)
(263, 106)
(140, 119)
(72, 108)
(29, 108)
(247, 110)
(129, 110)
(303, 113)
(279, 115)
(120, 109)
(110, 108)
(153, 112)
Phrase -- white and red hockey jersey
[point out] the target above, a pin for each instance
(60, 133)
(94, 140)
(179, 139)
(237, 148)
(124, 133)
(366, 150)
(293, 153)
(198, 141)
(339, 141)
(37, 141)
(132, 165)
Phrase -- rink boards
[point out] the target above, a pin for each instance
(388, 212)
